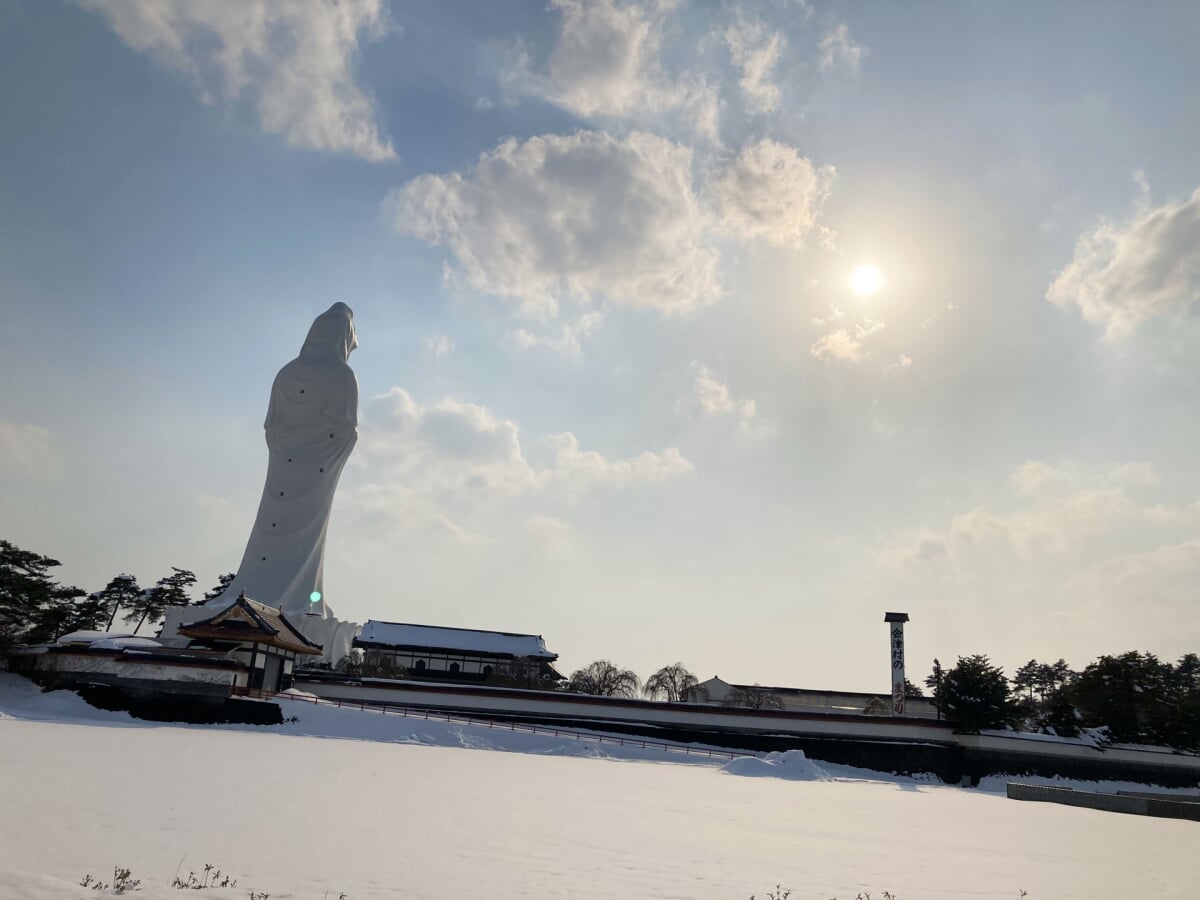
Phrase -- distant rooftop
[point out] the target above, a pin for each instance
(468, 640)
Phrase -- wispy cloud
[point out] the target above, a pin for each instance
(565, 339)
(839, 51)
(755, 50)
(1126, 273)
(292, 60)
(29, 449)
(439, 345)
(711, 396)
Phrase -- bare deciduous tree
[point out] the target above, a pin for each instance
(604, 679)
(671, 683)
(755, 697)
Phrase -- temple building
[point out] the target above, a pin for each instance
(256, 635)
(453, 654)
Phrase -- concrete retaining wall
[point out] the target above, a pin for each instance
(1137, 806)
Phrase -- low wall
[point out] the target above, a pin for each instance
(883, 743)
(1119, 803)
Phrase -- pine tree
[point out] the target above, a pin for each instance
(976, 694)
(222, 583)
(934, 682)
(170, 590)
(1131, 695)
(33, 606)
(122, 592)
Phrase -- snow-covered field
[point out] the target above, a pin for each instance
(382, 807)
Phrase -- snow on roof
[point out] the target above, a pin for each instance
(89, 637)
(503, 643)
(125, 643)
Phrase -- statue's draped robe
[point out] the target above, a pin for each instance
(311, 427)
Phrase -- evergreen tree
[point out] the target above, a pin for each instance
(1134, 696)
(33, 606)
(934, 682)
(170, 590)
(976, 695)
(222, 583)
(122, 592)
(91, 613)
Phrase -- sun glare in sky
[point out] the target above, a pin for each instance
(866, 280)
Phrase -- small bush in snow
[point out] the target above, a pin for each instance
(122, 881)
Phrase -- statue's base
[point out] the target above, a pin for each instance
(335, 637)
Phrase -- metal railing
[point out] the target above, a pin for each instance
(409, 712)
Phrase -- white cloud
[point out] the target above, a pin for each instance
(773, 193)
(30, 449)
(899, 367)
(846, 343)
(838, 50)
(434, 467)
(606, 63)
(1065, 511)
(1074, 545)
(574, 471)
(439, 345)
(292, 60)
(587, 216)
(711, 396)
(604, 51)
(1124, 274)
(564, 340)
(552, 534)
(840, 345)
(448, 448)
(755, 51)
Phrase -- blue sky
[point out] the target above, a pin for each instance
(617, 387)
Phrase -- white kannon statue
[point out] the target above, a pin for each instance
(311, 428)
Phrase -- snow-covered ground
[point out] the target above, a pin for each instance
(382, 807)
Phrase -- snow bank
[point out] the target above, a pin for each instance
(790, 764)
(20, 698)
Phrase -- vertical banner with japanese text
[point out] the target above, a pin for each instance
(897, 668)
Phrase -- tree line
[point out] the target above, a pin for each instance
(1133, 698)
(35, 608)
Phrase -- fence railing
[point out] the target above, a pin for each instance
(411, 712)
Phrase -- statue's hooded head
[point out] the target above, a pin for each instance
(331, 335)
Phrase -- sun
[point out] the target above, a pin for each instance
(866, 280)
